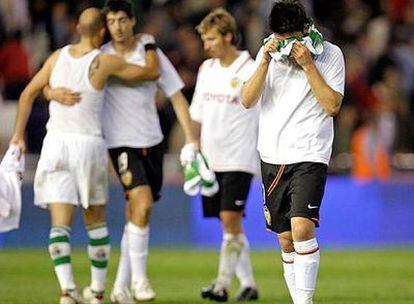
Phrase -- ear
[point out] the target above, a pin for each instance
(229, 38)
(102, 31)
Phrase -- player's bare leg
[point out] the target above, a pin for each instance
(98, 251)
(306, 259)
(61, 216)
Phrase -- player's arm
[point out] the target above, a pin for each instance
(253, 88)
(181, 109)
(329, 99)
(32, 90)
(118, 67)
(62, 95)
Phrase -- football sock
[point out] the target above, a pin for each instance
(138, 239)
(59, 250)
(306, 269)
(289, 272)
(244, 271)
(123, 274)
(231, 248)
(98, 250)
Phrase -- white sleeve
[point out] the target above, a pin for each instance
(196, 107)
(169, 82)
(334, 73)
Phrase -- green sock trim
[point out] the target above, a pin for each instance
(99, 242)
(59, 239)
(99, 264)
(97, 226)
(62, 260)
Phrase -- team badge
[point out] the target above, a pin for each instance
(126, 178)
(235, 82)
(267, 215)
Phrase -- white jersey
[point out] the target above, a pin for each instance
(229, 131)
(85, 116)
(130, 116)
(293, 126)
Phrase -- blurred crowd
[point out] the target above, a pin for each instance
(374, 130)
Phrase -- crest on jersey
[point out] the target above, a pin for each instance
(126, 178)
(235, 82)
(267, 215)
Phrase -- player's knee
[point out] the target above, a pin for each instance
(94, 215)
(286, 244)
(302, 232)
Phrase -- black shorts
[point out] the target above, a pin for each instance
(139, 166)
(233, 191)
(294, 190)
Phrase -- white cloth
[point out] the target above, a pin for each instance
(130, 116)
(73, 168)
(229, 131)
(85, 116)
(293, 126)
(11, 171)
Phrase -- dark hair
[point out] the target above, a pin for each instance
(117, 6)
(288, 16)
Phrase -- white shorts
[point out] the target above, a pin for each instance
(73, 168)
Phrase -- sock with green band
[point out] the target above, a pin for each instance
(59, 250)
(98, 251)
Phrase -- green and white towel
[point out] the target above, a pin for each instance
(313, 41)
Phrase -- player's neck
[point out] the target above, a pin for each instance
(126, 46)
(229, 56)
(83, 47)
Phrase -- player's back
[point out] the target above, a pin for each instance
(73, 73)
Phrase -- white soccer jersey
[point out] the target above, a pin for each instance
(130, 116)
(229, 131)
(293, 127)
(83, 117)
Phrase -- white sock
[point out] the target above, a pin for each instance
(123, 274)
(231, 247)
(59, 249)
(99, 249)
(306, 270)
(244, 271)
(289, 273)
(138, 239)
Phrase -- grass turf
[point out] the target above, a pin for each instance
(375, 276)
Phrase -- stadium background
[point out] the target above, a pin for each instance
(370, 218)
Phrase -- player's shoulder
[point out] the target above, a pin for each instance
(207, 65)
(145, 38)
(332, 49)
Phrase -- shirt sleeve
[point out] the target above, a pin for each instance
(196, 107)
(334, 74)
(169, 82)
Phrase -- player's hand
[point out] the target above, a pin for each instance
(270, 47)
(188, 153)
(20, 143)
(64, 96)
(301, 54)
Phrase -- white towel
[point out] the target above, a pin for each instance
(313, 41)
(189, 165)
(11, 174)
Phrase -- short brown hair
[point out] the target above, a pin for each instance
(221, 19)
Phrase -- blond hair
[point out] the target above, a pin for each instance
(222, 20)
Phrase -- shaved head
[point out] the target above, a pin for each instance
(90, 22)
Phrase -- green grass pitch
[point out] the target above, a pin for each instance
(374, 276)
